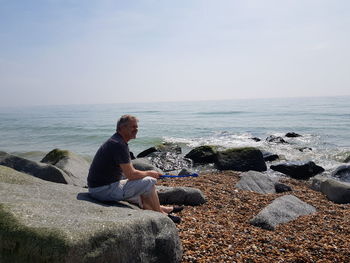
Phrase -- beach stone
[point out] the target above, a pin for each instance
(75, 166)
(336, 191)
(43, 171)
(144, 164)
(298, 169)
(42, 221)
(203, 154)
(275, 139)
(180, 195)
(241, 159)
(292, 135)
(282, 210)
(281, 188)
(269, 157)
(257, 182)
(342, 173)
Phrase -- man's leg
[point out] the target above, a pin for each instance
(151, 201)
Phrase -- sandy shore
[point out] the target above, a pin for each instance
(218, 231)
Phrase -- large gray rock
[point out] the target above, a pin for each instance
(257, 182)
(298, 169)
(241, 159)
(316, 182)
(336, 191)
(45, 222)
(180, 195)
(342, 173)
(144, 164)
(75, 166)
(43, 171)
(281, 210)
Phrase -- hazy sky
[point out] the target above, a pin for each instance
(100, 51)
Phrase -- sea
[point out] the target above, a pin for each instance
(324, 123)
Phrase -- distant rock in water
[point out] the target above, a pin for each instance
(292, 135)
(342, 173)
(147, 152)
(347, 159)
(305, 149)
(275, 139)
(298, 169)
(256, 139)
(241, 159)
(269, 157)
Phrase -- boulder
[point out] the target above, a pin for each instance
(43, 171)
(257, 182)
(336, 191)
(292, 135)
(46, 222)
(241, 159)
(202, 154)
(75, 166)
(282, 210)
(298, 169)
(275, 139)
(144, 164)
(342, 173)
(316, 181)
(269, 157)
(180, 195)
(147, 152)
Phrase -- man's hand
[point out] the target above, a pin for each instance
(154, 174)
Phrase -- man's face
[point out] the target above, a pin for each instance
(131, 129)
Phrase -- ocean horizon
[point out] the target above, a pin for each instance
(323, 122)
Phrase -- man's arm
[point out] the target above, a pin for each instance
(133, 174)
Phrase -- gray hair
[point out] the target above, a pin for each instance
(124, 120)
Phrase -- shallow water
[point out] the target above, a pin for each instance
(324, 124)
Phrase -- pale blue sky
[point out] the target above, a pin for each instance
(73, 52)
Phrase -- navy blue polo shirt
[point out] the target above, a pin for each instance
(105, 167)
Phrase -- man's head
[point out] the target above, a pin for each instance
(127, 127)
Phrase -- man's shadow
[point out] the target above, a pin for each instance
(87, 197)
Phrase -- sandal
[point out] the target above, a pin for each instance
(177, 209)
(175, 219)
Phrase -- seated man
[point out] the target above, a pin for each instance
(112, 164)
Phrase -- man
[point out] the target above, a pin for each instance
(112, 164)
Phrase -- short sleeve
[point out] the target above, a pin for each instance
(121, 153)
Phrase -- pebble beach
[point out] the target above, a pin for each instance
(219, 230)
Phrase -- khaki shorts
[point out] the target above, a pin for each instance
(124, 190)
